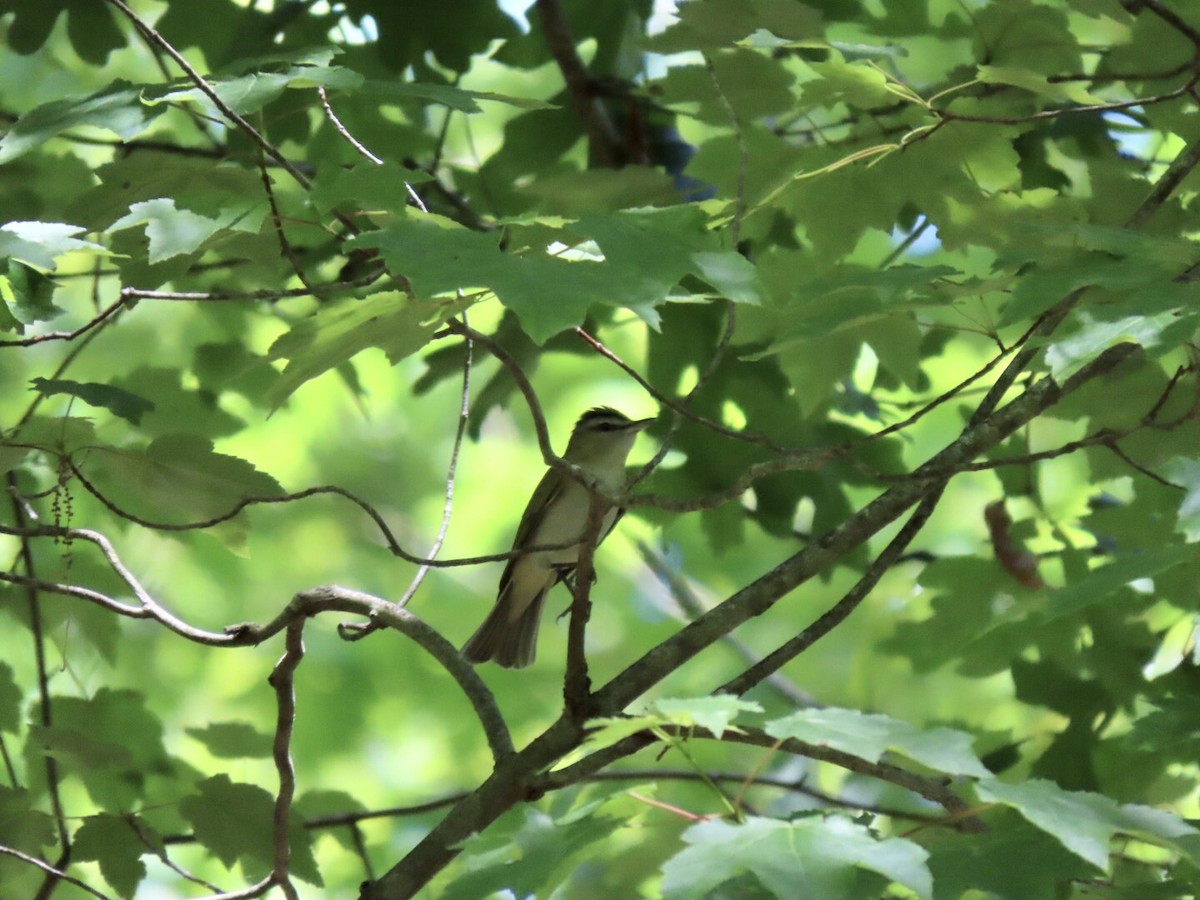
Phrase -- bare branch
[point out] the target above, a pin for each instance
(603, 141)
(283, 680)
(161, 854)
(335, 287)
(331, 598)
(111, 310)
(464, 414)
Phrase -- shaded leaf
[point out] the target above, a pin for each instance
(174, 232)
(118, 401)
(10, 700)
(389, 321)
(233, 740)
(112, 842)
(26, 294)
(1085, 823)
(871, 736)
(180, 478)
(233, 821)
(117, 108)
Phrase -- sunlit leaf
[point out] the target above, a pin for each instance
(871, 736)
(809, 857)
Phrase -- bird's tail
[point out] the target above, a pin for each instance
(511, 644)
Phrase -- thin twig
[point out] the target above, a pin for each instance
(354, 631)
(255, 890)
(773, 662)
(51, 872)
(155, 848)
(131, 293)
(692, 609)
(154, 37)
(332, 598)
(83, 329)
(283, 680)
(284, 244)
(360, 147)
(464, 414)
(45, 715)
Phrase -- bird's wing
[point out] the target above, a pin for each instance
(548, 489)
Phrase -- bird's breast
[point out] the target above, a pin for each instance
(566, 520)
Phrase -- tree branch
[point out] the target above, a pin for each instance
(283, 680)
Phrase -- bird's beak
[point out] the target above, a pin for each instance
(641, 424)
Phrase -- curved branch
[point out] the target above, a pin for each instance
(332, 598)
(283, 680)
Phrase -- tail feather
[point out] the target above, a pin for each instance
(512, 645)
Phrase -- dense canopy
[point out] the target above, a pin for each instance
(299, 299)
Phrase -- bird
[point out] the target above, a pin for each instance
(556, 514)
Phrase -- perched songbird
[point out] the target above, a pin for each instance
(556, 514)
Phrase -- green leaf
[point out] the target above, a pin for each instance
(117, 108)
(1099, 584)
(660, 246)
(118, 401)
(112, 842)
(233, 821)
(646, 253)
(249, 93)
(387, 320)
(713, 713)
(965, 864)
(110, 741)
(367, 186)
(175, 232)
(321, 803)
(179, 478)
(871, 736)
(1037, 83)
(27, 293)
(94, 33)
(810, 857)
(543, 851)
(40, 243)
(21, 825)
(1187, 473)
(1085, 823)
(233, 740)
(174, 409)
(720, 23)
(10, 700)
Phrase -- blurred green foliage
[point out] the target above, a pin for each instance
(828, 215)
